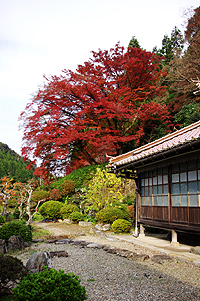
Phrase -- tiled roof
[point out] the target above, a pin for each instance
(173, 140)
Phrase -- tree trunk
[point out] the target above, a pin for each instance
(6, 198)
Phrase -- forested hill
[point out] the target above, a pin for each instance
(12, 165)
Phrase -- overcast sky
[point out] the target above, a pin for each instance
(40, 37)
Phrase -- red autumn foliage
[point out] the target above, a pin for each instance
(75, 119)
(193, 25)
(132, 211)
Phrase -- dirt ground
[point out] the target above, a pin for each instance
(61, 228)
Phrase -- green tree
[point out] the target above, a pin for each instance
(134, 43)
(170, 46)
(12, 165)
(188, 114)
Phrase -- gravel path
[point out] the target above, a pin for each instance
(111, 277)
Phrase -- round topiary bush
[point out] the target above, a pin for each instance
(67, 188)
(2, 219)
(51, 209)
(50, 285)
(11, 270)
(76, 216)
(68, 209)
(15, 228)
(110, 214)
(55, 194)
(121, 226)
(38, 217)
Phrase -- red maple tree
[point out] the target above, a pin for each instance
(78, 117)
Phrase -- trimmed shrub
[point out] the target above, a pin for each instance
(121, 226)
(39, 195)
(2, 219)
(110, 214)
(51, 209)
(66, 210)
(15, 228)
(76, 216)
(50, 285)
(38, 217)
(67, 187)
(55, 194)
(11, 270)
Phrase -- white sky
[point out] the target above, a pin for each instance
(46, 36)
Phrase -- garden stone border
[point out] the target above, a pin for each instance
(112, 250)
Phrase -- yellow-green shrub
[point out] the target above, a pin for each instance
(121, 226)
(66, 210)
(110, 214)
(51, 209)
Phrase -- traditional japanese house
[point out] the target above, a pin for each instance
(168, 180)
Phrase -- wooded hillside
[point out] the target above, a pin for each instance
(12, 165)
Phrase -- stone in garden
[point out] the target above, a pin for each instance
(3, 249)
(26, 244)
(59, 254)
(92, 245)
(195, 250)
(160, 258)
(77, 242)
(98, 227)
(85, 224)
(38, 240)
(141, 257)
(16, 243)
(106, 227)
(51, 241)
(125, 253)
(67, 221)
(197, 263)
(38, 261)
(106, 248)
(80, 234)
(64, 241)
(113, 250)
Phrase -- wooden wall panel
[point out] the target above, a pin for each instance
(180, 214)
(154, 212)
(146, 212)
(194, 215)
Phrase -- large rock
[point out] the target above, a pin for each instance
(98, 227)
(3, 249)
(195, 250)
(38, 261)
(106, 227)
(15, 243)
(102, 227)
